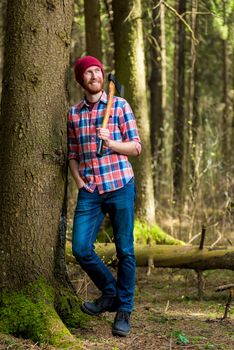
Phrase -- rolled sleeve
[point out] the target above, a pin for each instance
(128, 126)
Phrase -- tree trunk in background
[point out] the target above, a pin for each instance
(107, 34)
(33, 142)
(78, 47)
(179, 115)
(158, 91)
(192, 105)
(225, 155)
(232, 123)
(195, 129)
(93, 28)
(130, 71)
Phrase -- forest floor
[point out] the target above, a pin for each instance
(167, 315)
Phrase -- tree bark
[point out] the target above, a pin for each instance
(232, 121)
(33, 168)
(33, 139)
(2, 35)
(179, 115)
(78, 47)
(93, 28)
(187, 257)
(130, 71)
(157, 84)
(192, 104)
(225, 154)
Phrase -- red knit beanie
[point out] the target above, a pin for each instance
(82, 64)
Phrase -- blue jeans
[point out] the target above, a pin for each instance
(89, 214)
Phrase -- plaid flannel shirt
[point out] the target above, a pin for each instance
(113, 170)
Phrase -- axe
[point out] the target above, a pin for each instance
(113, 84)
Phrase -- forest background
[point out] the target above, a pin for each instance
(175, 59)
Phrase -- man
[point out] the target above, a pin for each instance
(106, 185)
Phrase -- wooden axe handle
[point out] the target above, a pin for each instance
(106, 116)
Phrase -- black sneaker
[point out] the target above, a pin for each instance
(121, 324)
(99, 306)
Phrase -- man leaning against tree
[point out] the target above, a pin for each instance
(106, 185)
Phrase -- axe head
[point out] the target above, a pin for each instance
(119, 88)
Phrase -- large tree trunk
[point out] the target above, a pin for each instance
(2, 34)
(93, 28)
(130, 70)
(33, 167)
(188, 257)
(33, 140)
(179, 115)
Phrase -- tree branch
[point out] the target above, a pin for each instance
(181, 18)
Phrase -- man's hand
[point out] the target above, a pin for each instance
(104, 134)
(80, 183)
(74, 167)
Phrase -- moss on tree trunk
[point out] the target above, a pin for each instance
(31, 313)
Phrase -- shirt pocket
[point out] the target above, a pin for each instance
(114, 129)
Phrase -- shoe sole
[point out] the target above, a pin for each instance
(120, 333)
(88, 312)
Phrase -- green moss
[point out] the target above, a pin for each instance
(68, 306)
(30, 313)
(144, 233)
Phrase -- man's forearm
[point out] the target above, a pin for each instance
(130, 148)
(74, 167)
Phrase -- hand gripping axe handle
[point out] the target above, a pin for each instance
(113, 84)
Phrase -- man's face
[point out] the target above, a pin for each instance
(93, 80)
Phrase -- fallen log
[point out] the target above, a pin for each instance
(187, 256)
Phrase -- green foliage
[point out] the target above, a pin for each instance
(221, 28)
(222, 17)
(144, 233)
(181, 338)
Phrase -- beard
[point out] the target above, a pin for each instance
(93, 87)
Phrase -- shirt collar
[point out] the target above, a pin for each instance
(83, 103)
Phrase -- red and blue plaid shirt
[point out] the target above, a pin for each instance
(113, 170)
